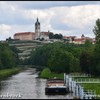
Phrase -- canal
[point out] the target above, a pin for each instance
(26, 85)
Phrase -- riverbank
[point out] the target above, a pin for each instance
(4, 73)
(92, 86)
(46, 73)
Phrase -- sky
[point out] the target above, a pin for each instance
(70, 18)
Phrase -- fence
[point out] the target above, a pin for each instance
(77, 90)
(87, 80)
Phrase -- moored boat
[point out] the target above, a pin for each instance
(56, 86)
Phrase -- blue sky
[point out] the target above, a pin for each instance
(66, 17)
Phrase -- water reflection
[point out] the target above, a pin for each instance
(27, 86)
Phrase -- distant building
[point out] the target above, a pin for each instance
(70, 39)
(44, 35)
(74, 39)
(37, 35)
(24, 35)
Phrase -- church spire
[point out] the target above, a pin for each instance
(37, 22)
(37, 19)
(37, 28)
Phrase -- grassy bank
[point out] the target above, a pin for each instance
(92, 86)
(52, 75)
(8, 72)
(46, 73)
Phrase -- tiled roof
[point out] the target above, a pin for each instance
(69, 36)
(24, 33)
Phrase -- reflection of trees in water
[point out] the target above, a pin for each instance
(2, 85)
(38, 87)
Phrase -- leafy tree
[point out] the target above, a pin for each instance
(76, 65)
(60, 61)
(96, 31)
(51, 35)
(86, 61)
(88, 44)
(58, 36)
(7, 57)
(59, 57)
(55, 36)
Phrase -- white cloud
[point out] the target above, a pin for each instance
(4, 31)
(76, 19)
(5, 28)
(78, 16)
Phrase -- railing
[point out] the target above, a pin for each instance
(90, 94)
(87, 80)
(77, 90)
(79, 75)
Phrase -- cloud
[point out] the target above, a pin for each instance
(58, 17)
(48, 4)
(4, 30)
(77, 16)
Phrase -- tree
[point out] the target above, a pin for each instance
(51, 35)
(60, 36)
(60, 61)
(85, 61)
(75, 67)
(96, 31)
(88, 43)
(56, 36)
(8, 58)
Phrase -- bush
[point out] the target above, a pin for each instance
(45, 73)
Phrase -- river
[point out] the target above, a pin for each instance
(26, 85)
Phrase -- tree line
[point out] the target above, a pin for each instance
(8, 56)
(55, 36)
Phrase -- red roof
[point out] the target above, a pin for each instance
(69, 36)
(24, 33)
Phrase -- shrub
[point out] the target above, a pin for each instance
(45, 73)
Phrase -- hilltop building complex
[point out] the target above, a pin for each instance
(32, 35)
(41, 35)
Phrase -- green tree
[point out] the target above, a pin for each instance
(86, 61)
(7, 57)
(60, 61)
(96, 31)
(51, 35)
(59, 57)
(88, 44)
(76, 65)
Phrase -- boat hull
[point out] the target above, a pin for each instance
(56, 90)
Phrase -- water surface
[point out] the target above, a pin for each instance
(26, 85)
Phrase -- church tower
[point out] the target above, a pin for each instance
(37, 29)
